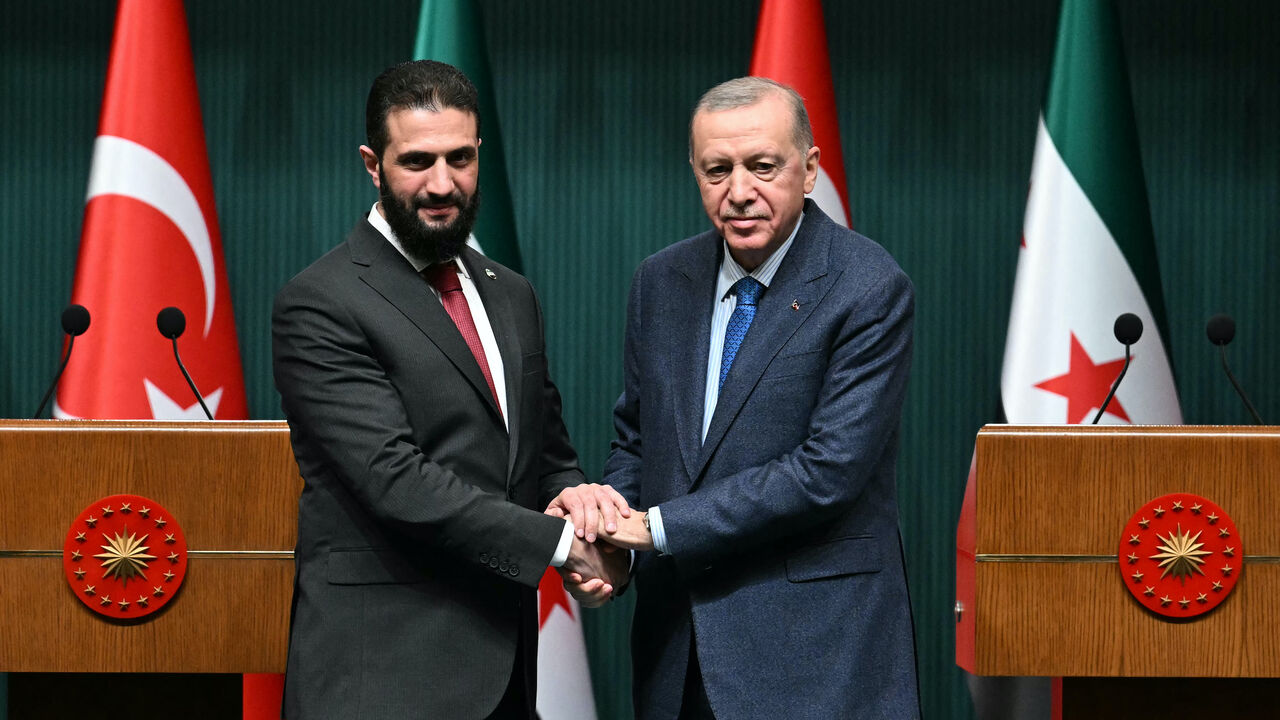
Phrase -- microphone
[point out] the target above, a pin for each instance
(171, 323)
(1128, 329)
(75, 320)
(1221, 329)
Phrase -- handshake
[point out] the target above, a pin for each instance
(603, 525)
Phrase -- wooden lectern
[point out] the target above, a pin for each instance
(233, 488)
(1040, 591)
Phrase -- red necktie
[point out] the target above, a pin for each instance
(444, 278)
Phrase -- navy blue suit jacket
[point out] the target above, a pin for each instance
(785, 557)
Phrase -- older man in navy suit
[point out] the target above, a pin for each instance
(766, 363)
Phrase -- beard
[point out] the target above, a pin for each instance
(432, 244)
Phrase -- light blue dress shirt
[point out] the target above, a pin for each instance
(726, 300)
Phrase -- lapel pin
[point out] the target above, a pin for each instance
(795, 304)
(489, 272)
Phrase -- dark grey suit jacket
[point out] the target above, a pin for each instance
(785, 562)
(420, 543)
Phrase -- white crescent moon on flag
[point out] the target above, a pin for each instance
(123, 167)
(825, 194)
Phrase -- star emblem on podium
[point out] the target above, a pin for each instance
(103, 580)
(1179, 541)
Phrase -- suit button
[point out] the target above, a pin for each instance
(502, 567)
(493, 562)
(484, 558)
(514, 570)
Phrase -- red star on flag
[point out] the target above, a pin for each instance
(550, 595)
(1085, 385)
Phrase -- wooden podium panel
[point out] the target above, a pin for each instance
(232, 487)
(1047, 594)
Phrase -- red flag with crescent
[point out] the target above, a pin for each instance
(150, 239)
(791, 47)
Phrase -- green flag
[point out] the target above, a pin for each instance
(1088, 253)
(452, 31)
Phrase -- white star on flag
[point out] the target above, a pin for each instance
(164, 407)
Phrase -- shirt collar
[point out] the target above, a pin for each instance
(731, 272)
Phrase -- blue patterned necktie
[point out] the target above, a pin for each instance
(748, 290)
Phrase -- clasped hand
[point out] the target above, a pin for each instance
(594, 570)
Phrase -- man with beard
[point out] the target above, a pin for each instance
(429, 436)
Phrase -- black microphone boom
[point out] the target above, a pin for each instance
(1127, 329)
(1221, 329)
(75, 320)
(171, 323)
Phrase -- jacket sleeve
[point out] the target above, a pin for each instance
(349, 422)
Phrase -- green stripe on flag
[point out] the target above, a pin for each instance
(1089, 116)
(452, 31)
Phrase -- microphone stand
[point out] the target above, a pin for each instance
(58, 376)
(1114, 385)
(1236, 385)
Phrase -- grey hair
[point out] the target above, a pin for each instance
(746, 91)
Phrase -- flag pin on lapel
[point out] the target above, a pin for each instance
(795, 304)
(489, 272)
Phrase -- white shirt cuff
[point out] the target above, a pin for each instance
(655, 529)
(566, 542)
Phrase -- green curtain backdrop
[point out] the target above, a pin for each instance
(938, 104)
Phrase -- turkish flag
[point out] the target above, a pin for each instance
(791, 47)
(150, 239)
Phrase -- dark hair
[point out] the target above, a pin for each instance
(418, 85)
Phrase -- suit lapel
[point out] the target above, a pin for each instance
(786, 304)
(497, 307)
(392, 277)
(691, 303)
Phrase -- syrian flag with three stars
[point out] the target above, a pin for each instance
(452, 31)
(150, 240)
(1087, 256)
(1088, 253)
(564, 679)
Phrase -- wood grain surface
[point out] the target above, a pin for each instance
(1067, 491)
(233, 488)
